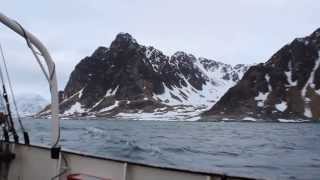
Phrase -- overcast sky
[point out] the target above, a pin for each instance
(231, 31)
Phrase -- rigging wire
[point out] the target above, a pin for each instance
(5, 96)
(4, 123)
(66, 168)
(25, 133)
(10, 86)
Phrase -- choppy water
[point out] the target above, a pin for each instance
(263, 150)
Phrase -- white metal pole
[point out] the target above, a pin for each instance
(51, 67)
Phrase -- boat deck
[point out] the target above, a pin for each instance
(34, 162)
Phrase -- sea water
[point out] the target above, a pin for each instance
(262, 150)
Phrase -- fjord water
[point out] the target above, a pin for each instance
(262, 150)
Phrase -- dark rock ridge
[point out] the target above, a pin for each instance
(129, 77)
(286, 86)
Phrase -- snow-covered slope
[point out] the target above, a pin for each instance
(219, 77)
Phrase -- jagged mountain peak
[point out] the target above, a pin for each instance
(222, 70)
(316, 33)
(100, 52)
(123, 41)
(129, 77)
(182, 54)
(125, 37)
(212, 64)
(182, 57)
(239, 66)
(152, 53)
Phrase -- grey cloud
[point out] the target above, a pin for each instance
(242, 31)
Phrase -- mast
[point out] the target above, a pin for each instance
(51, 76)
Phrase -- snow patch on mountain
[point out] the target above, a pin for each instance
(261, 98)
(76, 108)
(179, 114)
(289, 76)
(282, 106)
(116, 104)
(310, 82)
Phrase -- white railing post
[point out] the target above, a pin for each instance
(125, 170)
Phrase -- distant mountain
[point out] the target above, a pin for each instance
(30, 104)
(129, 78)
(287, 86)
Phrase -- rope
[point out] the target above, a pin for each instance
(66, 168)
(1, 74)
(34, 52)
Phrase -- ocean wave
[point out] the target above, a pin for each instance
(147, 148)
(292, 120)
(94, 130)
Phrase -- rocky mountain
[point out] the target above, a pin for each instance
(286, 86)
(128, 78)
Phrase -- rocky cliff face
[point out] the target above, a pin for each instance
(286, 86)
(131, 78)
